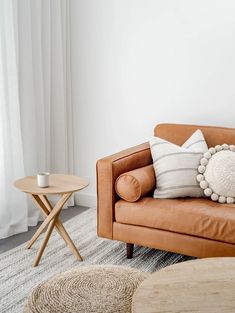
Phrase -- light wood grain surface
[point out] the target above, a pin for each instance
(205, 286)
(61, 184)
(58, 184)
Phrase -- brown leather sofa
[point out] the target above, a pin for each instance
(196, 227)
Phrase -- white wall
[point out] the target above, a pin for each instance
(136, 63)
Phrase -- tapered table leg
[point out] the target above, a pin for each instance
(62, 230)
(46, 207)
(56, 210)
(45, 241)
(69, 241)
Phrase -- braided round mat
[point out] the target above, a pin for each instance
(96, 289)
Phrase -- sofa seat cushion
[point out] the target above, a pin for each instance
(191, 216)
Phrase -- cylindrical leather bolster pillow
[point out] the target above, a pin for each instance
(132, 185)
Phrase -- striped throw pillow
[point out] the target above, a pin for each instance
(176, 167)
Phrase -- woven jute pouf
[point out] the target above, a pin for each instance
(93, 289)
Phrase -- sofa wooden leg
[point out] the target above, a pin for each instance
(129, 250)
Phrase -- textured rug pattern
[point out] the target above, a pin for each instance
(18, 277)
(87, 289)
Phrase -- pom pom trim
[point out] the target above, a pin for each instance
(208, 191)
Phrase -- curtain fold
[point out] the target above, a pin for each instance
(13, 209)
(35, 103)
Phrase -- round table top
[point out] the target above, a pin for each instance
(58, 184)
(204, 285)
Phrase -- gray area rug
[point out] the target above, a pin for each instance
(18, 277)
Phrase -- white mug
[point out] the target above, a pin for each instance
(43, 179)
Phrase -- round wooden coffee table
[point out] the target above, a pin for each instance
(204, 285)
(63, 185)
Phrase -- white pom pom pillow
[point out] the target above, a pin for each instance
(217, 173)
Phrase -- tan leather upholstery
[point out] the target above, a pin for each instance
(179, 133)
(108, 170)
(173, 242)
(190, 216)
(132, 185)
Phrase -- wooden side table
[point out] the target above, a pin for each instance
(200, 286)
(63, 185)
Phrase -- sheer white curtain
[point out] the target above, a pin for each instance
(35, 104)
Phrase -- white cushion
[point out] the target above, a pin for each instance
(217, 176)
(176, 166)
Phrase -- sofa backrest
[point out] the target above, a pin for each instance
(179, 133)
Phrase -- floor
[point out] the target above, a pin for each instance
(14, 241)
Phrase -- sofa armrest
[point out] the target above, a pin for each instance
(108, 169)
